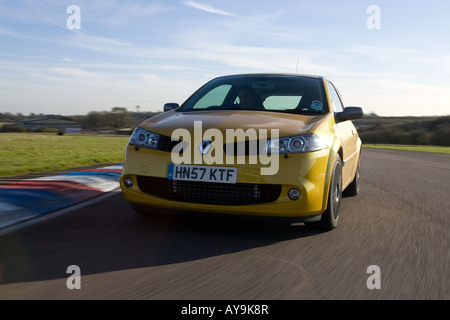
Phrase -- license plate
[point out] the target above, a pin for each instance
(202, 173)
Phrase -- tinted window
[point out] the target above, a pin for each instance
(268, 93)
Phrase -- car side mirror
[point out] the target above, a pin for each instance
(349, 113)
(171, 106)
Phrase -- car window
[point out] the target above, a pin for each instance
(290, 94)
(335, 99)
(215, 97)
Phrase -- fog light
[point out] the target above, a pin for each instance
(128, 182)
(294, 194)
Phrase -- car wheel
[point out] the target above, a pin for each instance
(353, 188)
(331, 215)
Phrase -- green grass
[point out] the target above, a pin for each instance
(433, 149)
(22, 153)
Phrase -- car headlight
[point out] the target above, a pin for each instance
(294, 144)
(144, 138)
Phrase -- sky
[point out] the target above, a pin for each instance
(72, 57)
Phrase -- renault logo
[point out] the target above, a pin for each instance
(205, 146)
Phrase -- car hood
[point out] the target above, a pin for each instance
(287, 124)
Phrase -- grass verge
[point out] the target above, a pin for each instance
(432, 149)
(22, 153)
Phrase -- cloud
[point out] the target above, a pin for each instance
(274, 34)
(383, 53)
(122, 14)
(74, 72)
(76, 38)
(208, 8)
(90, 42)
(88, 39)
(5, 32)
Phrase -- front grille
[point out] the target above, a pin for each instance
(246, 148)
(209, 193)
(166, 144)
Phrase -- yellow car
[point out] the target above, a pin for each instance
(257, 145)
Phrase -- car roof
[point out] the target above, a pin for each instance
(271, 75)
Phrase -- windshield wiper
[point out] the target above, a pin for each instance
(313, 112)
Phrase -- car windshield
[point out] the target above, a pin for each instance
(291, 94)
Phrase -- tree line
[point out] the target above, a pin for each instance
(433, 131)
(373, 129)
(117, 118)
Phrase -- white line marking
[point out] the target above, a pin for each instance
(51, 215)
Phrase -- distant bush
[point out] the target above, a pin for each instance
(406, 131)
(441, 136)
(12, 128)
(46, 129)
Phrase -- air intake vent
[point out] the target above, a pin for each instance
(209, 193)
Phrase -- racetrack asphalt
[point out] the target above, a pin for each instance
(399, 222)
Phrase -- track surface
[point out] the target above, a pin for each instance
(399, 222)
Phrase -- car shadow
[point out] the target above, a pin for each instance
(176, 239)
(116, 238)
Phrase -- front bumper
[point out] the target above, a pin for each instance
(303, 171)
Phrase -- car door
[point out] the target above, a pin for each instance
(346, 132)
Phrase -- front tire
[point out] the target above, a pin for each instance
(330, 217)
(353, 188)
